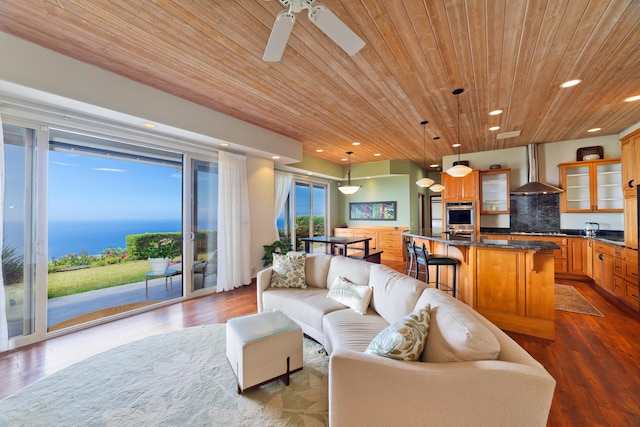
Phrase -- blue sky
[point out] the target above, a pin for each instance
(88, 187)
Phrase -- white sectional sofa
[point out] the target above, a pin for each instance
(469, 374)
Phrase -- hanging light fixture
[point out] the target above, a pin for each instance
(426, 181)
(349, 189)
(436, 188)
(459, 170)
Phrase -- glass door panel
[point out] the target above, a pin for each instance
(309, 213)
(319, 210)
(18, 255)
(110, 205)
(204, 224)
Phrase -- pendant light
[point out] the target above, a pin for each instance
(349, 189)
(459, 170)
(426, 181)
(436, 188)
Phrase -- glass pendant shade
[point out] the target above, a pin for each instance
(436, 188)
(349, 189)
(425, 182)
(459, 171)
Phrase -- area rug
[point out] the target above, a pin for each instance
(180, 378)
(569, 299)
(99, 314)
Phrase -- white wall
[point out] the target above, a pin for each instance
(260, 177)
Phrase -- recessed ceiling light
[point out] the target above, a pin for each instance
(456, 145)
(594, 130)
(149, 125)
(356, 143)
(343, 159)
(570, 83)
(275, 157)
(309, 173)
(224, 144)
(377, 155)
(494, 128)
(495, 112)
(632, 98)
(434, 165)
(319, 150)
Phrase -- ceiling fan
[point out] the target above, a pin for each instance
(322, 17)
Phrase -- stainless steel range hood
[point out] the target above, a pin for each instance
(534, 186)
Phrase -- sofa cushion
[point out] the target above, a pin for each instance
(354, 270)
(288, 270)
(354, 296)
(316, 269)
(455, 334)
(306, 305)
(348, 330)
(394, 294)
(405, 339)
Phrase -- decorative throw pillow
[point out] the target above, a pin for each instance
(288, 270)
(353, 296)
(405, 339)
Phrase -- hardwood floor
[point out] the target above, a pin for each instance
(595, 360)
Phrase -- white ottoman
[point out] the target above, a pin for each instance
(263, 347)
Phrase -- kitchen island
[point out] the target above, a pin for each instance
(510, 282)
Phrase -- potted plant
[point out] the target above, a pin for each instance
(160, 253)
(279, 246)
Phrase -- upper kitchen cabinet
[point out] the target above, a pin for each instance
(494, 191)
(591, 186)
(630, 154)
(461, 189)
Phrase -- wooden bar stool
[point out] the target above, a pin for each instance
(424, 258)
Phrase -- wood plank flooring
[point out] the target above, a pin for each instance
(595, 360)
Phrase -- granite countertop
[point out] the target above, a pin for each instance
(611, 237)
(482, 242)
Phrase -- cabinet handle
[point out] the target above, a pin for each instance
(600, 257)
(630, 183)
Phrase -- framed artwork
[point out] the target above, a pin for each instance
(377, 211)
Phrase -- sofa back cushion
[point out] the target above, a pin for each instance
(354, 270)
(394, 294)
(455, 333)
(316, 269)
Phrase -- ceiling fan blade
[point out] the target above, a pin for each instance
(279, 36)
(337, 30)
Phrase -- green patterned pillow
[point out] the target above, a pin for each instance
(405, 339)
(288, 270)
(353, 296)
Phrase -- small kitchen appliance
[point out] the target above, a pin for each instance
(591, 228)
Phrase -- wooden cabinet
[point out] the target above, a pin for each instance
(560, 254)
(603, 265)
(631, 278)
(577, 256)
(386, 239)
(630, 155)
(615, 269)
(591, 186)
(631, 222)
(494, 191)
(465, 188)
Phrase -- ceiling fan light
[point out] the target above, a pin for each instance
(436, 188)
(458, 171)
(425, 182)
(349, 189)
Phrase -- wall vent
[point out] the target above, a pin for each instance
(505, 135)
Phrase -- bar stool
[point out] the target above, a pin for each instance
(425, 259)
(410, 259)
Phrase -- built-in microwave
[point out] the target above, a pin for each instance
(460, 217)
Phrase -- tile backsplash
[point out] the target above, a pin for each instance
(536, 212)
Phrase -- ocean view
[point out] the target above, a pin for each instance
(67, 237)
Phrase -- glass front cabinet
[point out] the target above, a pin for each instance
(494, 191)
(591, 186)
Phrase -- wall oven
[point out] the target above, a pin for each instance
(460, 218)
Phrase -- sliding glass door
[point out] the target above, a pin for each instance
(18, 252)
(109, 204)
(204, 223)
(309, 211)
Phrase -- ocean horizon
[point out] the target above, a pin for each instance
(73, 237)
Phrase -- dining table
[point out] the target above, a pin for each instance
(343, 244)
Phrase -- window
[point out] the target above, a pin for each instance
(305, 212)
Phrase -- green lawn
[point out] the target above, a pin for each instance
(87, 279)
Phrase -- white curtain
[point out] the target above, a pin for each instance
(4, 330)
(234, 234)
(283, 186)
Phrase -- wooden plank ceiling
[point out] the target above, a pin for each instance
(506, 54)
